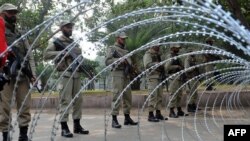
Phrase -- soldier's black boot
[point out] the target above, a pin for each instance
(23, 134)
(159, 116)
(152, 118)
(65, 130)
(6, 136)
(180, 112)
(191, 108)
(128, 120)
(78, 128)
(209, 88)
(195, 107)
(115, 123)
(172, 113)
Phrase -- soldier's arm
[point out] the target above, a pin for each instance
(169, 67)
(32, 64)
(31, 59)
(147, 61)
(129, 60)
(78, 50)
(50, 52)
(109, 56)
(187, 62)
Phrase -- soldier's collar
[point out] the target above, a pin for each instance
(64, 38)
(118, 45)
(153, 51)
(174, 54)
(11, 27)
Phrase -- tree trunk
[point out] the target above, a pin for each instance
(235, 8)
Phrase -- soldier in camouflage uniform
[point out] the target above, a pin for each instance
(68, 86)
(192, 86)
(15, 56)
(154, 78)
(172, 67)
(120, 79)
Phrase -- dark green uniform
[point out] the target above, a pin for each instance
(119, 80)
(150, 59)
(68, 87)
(172, 67)
(23, 86)
(192, 86)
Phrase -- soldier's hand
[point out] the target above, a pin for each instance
(33, 79)
(63, 53)
(180, 67)
(124, 62)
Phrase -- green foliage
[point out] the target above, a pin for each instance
(244, 5)
(15, 2)
(33, 14)
(92, 64)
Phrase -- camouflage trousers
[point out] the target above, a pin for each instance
(175, 96)
(155, 99)
(191, 91)
(119, 84)
(23, 105)
(69, 87)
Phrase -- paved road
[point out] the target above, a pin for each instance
(207, 129)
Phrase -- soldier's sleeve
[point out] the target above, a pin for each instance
(187, 62)
(147, 61)
(168, 65)
(109, 56)
(50, 52)
(78, 50)
(31, 59)
(129, 60)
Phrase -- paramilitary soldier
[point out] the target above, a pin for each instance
(120, 79)
(192, 85)
(15, 58)
(68, 86)
(172, 67)
(154, 78)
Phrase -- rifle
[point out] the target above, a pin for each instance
(162, 72)
(3, 80)
(13, 65)
(129, 69)
(183, 76)
(161, 69)
(83, 68)
(194, 72)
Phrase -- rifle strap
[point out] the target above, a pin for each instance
(58, 41)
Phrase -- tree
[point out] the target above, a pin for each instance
(240, 10)
(36, 12)
(138, 36)
(32, 14)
